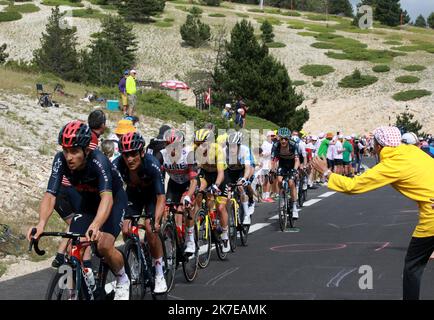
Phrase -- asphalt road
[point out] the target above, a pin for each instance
(338, 236)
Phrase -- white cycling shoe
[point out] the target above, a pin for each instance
(190, 247)
(160, 284)
(122, 291)
(295, 213)
(226, 247)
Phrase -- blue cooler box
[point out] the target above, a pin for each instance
(113, 105)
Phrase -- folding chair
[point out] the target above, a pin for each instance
(44, 98)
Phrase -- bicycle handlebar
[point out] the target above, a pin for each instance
(35, 242)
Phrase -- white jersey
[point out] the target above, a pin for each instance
(237, 162)
(337, 151)
(180, 167)
(266, 154)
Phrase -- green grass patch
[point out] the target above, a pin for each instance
(256, 10)
(296, 26)
(307, 34)
(23, 8)
(316, 70)
(182, 8)
(410, 95)
(316, 17)
(393, 43)
(324, 45)
(381, 68)
(275, 45)
(254, 122)
(290, 13)
(216, 15)
(3, 268)
(88, 13)
(271, 20)
(407, 79)
(360, 54)
(61, 3)
(397, 37)
(319, 28)
(317, 83)
(327, 36)
(4, 3)
(242, 15)
(357, 80)
(169, 19)
(272, 10)
(163, 24)
(414, 67)
(10, 16)
(298, 83)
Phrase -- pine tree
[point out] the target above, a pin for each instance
(267, 35)
(405, 123)
(194, 32)
(140, 10)
(420, 22)
(112, 51)
(341, 7)
(58, 53)
(247, 70)
(3, 54)
(388, 12)
(431, 20)
(405, 17)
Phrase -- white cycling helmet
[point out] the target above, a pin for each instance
(409, 138)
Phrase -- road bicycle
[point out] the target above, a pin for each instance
(72, 281)
(285, 204)
(236, 217)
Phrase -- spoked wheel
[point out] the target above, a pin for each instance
(203, 227)
(58, 287)
(107, 279)
(289, 211)
(300, 195)
(243, 228)
(219, 246)
(232, 226)
(190, 261)
(137, 279)
(282, 209)
(169, 254)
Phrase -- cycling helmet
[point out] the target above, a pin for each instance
(409, 138)
(75, 134)
(284, 132)
(173, 135)
(131, 141)
(202, 135)
(235, 138)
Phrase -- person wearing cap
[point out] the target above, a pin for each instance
(266, 147)
(226, 113)
(338, 154)
(346, 156)
(130, 88)
(157, 144)
(409, 138)
(124, 127)
(406, 169)
(123, 91)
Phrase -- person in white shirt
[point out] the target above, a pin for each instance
(338, 155)
(266, 165)
(330, 154)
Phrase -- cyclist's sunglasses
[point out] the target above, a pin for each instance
(129, 154)
(285, 139)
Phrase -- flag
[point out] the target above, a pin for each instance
(208, 97)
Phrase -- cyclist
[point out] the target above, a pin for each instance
(103, 200)
(178, 162)
(212, 165)
(145, 189)
(285, 159)
(238, 159)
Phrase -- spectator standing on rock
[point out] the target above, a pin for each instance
(123, 91)
(131, 90)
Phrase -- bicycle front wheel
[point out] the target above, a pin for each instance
(190, 262)
(232, 226)
(203, 226)
(138, 288)
(60, 289)
(168, 240)
(282, 209)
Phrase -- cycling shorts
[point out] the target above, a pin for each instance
(81, 221)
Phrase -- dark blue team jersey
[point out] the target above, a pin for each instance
(149, 174)
(286, 155)
(99, 175)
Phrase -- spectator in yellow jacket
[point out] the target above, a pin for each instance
(131, 92)
(409, 170)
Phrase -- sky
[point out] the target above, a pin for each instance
(413, 7)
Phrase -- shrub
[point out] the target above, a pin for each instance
(407, 79)
(194, 32)
(381, 68)
(315, 70)
(357, 80)
(195, 11)
(10, 16)
(410, 95)
(3, 54)
(216, 15)
(317, 83)
(298, 83)
(291, 13)
(393, 43)
(267, 32)
(414, 67)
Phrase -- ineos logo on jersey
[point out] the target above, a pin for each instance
(102, 169)
(57, 165)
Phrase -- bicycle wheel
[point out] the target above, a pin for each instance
(289, 211)
(190, 263)
(219, 246)
(168, 240)
(300, 194)
(106, 284)
(57, 287)
(203, 226)
(282, 209)
(232, 227)
(138, 288)
(244, 229)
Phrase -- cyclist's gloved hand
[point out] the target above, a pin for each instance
(242, 182)
(215, 189)
(187, 201)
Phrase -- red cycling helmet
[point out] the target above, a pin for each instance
(131, 141)
(75, 134)
(172, 135)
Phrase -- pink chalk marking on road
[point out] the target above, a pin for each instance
(316, 247)
(383, 246)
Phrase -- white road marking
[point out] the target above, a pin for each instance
(327, 194)
(258, 226)
(274, 217)
(311, 202)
